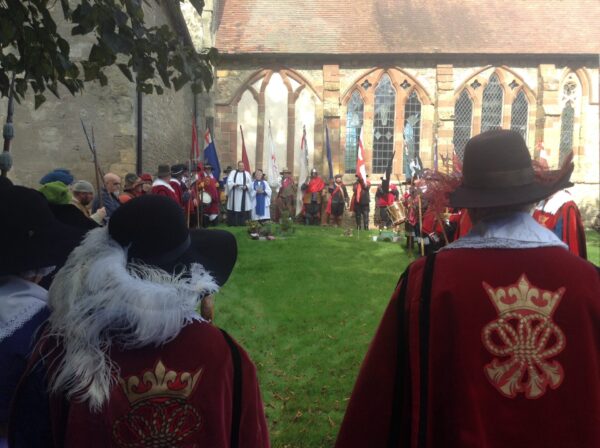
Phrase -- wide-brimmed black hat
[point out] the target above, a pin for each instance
(30, 236)
(497, 171)
(164, 240)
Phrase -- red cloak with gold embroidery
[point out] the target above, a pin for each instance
(501, 349)
(178, 395)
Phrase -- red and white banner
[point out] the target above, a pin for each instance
(361, 167)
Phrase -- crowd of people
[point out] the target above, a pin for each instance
(106, 309)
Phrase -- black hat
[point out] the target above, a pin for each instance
(164, 240)
(228, 169)
(30, 236)
(497, 171)
(176, 170)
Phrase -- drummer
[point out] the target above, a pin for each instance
(208, 193)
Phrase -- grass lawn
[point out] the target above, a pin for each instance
(593, 246)
(305, 308)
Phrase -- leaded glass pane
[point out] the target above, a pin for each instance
(354, 122)
(519, 112)
(566, 131)
(412, 131)
(383, 124)
(463, 116)
(491, 112)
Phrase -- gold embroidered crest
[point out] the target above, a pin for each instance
(524, 338)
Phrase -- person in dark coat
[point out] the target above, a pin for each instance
(125, 315)
(33, 244)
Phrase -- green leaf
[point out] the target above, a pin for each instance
(125, 70)
(39, 100)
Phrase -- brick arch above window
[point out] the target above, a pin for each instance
(583, 77)
(366, 83)
(511, 83)
(264, 75)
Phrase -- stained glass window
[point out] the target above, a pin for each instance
(354, 122)
(383, 125)
(412, 117)
(567, 120)
(491, 112)
(463, 115)
(519, 112)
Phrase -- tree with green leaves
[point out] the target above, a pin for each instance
(38, 57)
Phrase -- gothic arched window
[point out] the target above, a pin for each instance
(567, 118)
(567, 121)
(383, 124)
(354, 122)
(412, 116)
(491, 109)
(519, 112)
(463, 115)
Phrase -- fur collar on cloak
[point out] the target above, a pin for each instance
(98, 299)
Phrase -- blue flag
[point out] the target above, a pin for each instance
(328, 152)
(210, 155)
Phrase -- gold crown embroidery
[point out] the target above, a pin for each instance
(524, 338)
(522, 295)
(160, 382)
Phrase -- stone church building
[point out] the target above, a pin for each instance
(429, 74)
(451, 69)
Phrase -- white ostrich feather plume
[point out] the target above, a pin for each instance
(98, 300)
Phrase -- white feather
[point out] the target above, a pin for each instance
(97, 300)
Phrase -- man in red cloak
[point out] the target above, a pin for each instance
(560, 214)
(494, 341)
(126, 360)
(313, 196)
(162, 185)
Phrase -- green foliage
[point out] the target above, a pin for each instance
(593, 246)
(305, 308)
(33, 49)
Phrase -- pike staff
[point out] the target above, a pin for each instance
(97, 170)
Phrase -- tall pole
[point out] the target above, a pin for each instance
(140, 134)
(8, 132)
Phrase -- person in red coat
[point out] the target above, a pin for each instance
(494, 341)
(162, 185)
(125, 359)
(560, 214)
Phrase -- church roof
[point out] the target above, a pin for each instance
(408, 26)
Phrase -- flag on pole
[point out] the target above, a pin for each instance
(385, 184)
(245, 160)
(303, 170)
(329, 161)
(210, 154)
(273, 172)
(361, 168)
(195, 150)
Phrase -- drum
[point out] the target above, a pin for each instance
(397, 213)
(205, 198)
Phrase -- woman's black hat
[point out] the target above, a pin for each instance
(153, 229)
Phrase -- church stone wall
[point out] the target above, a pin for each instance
(441, 83)
(51, 137)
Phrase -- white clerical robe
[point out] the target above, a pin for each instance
(238, 199)
(267, 189)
